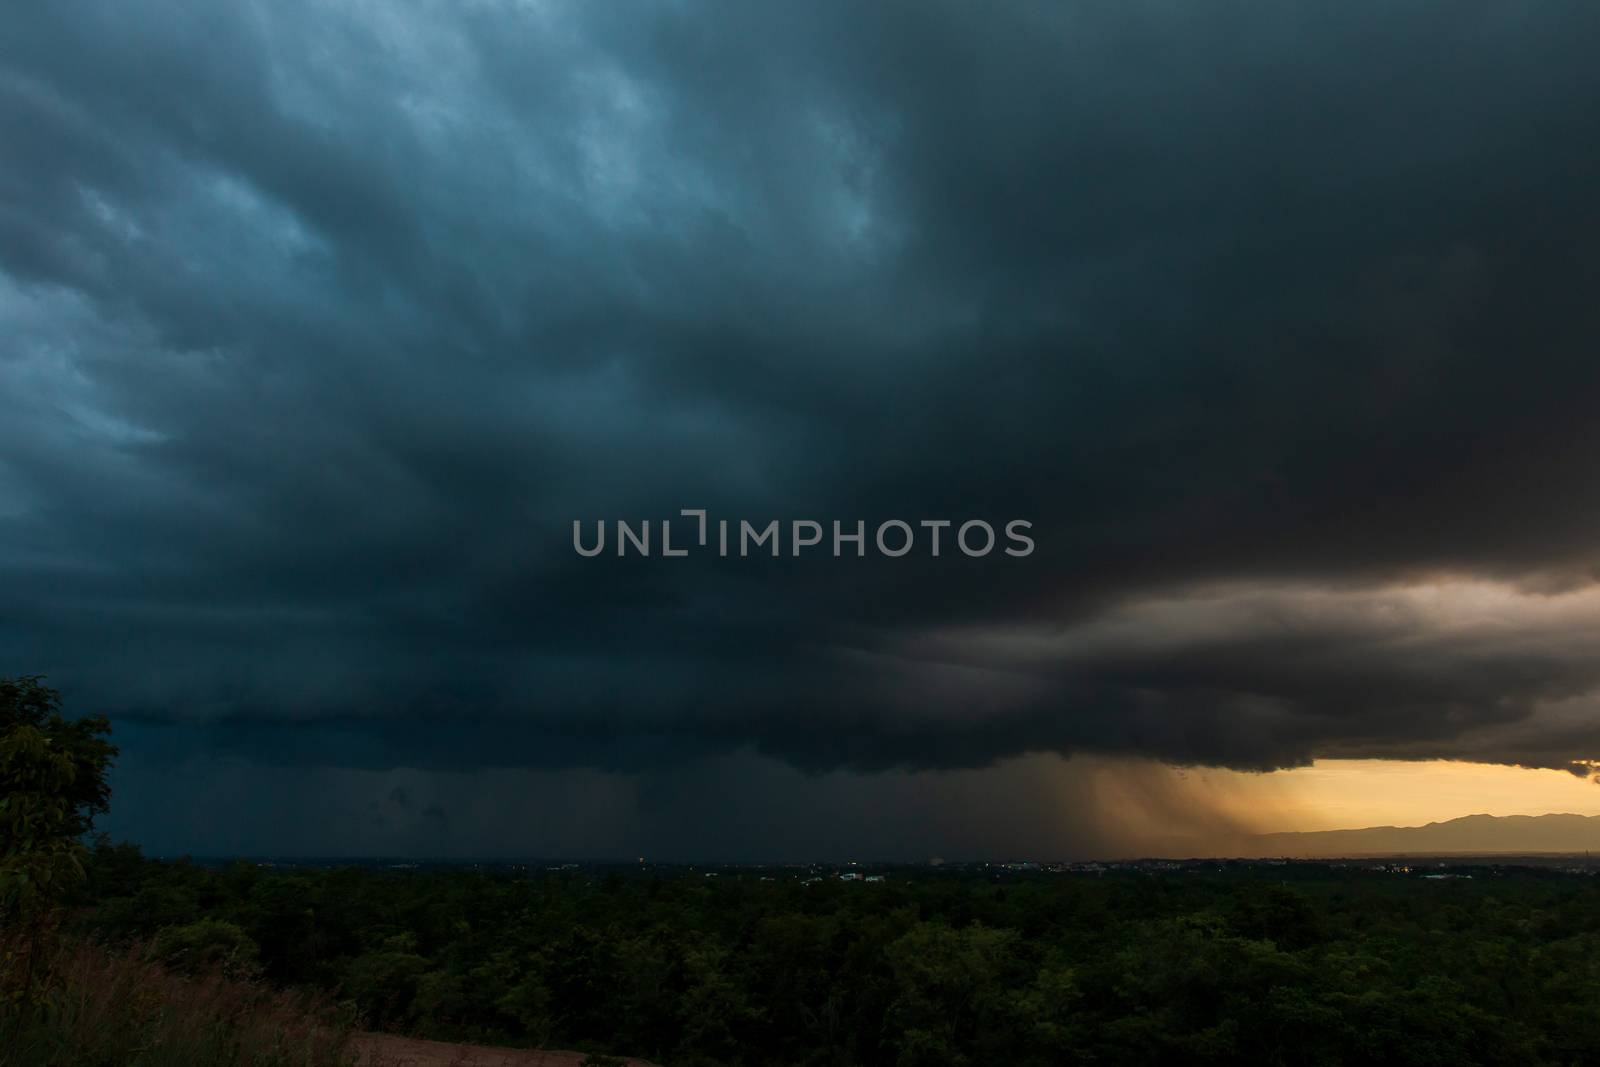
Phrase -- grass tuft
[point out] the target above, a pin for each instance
(102, 1008)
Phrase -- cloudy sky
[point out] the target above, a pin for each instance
(321, 322)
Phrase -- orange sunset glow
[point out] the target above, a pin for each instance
(1333, 794)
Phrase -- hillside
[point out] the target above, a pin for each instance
(1471, 833)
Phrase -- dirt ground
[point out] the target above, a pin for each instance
(391, 1050)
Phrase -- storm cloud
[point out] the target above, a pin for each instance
(320, 324)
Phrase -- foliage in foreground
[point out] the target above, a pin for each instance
(71, 1003)
(99, 1008)
(1304, 964)
(52, 785)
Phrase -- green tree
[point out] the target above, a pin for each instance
(52, 785)
(384, 982)
(950, 993)
(207, 945)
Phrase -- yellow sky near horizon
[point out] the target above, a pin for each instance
(1342, 794)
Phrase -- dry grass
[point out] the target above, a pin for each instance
(100, 1008)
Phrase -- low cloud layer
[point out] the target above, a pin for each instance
(319, 324)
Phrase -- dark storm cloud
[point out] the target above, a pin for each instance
(322, 324)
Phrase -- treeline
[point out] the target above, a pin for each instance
(185, 1001)
(1302, 964)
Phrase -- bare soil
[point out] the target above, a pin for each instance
(392, 1050)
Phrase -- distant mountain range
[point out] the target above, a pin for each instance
(1471, 833)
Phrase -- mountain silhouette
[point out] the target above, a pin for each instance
(1470, 833)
